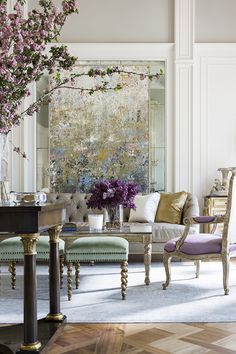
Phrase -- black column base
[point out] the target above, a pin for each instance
(11, 336)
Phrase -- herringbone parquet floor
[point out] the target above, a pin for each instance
(163, 338)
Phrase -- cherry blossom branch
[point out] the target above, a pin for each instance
(91, 73)
(18, 150)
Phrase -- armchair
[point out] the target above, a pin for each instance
(201, 246)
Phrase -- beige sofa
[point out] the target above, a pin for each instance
(77, 211)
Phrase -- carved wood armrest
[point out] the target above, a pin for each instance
(217, 219)
(197, 220)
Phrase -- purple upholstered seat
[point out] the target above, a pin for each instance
(196, 244)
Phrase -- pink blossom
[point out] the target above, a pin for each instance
(22, 54)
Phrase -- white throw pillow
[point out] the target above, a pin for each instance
(146, 207)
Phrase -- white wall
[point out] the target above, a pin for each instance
(119, 21)
(215, 21)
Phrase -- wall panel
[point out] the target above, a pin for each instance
(215, 114)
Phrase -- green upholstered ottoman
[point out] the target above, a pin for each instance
(98, 249)
(11, 250)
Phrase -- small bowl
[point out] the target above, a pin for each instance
(28, 198)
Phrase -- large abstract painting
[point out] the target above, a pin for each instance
(100, 136)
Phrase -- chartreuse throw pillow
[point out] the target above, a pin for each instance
(170, 207)
(146, 208)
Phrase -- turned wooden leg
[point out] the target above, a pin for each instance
(197, 263)
(12, 270)
(166, 261)
(69, 280)
(225, 263)
(77, 271)
(124, 276)
(147, 262)
(62, 259)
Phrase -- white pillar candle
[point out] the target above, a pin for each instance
(95, 221)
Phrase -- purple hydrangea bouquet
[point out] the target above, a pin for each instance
(111, 193)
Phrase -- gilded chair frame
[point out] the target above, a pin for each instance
(224, 256)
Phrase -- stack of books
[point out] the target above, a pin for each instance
(70, 227)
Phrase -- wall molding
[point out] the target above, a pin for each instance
(212, 60)
(184, 45)
(119, 51)
(184, 29)
(183, 126)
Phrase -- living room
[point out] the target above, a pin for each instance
(165, 120)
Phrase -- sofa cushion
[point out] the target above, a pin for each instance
(146, 207)
(163, 232)
(171, 207)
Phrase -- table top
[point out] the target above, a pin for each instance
(125, 230)
(31, 218)
(15, 208)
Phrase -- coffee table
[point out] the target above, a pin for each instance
(133, 234)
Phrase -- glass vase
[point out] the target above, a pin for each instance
(4, 196)
(114, 217)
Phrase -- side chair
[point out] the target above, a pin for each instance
(204, 246)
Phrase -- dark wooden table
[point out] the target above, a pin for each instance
(28, 222)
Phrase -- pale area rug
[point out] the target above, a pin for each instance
(99, 300)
